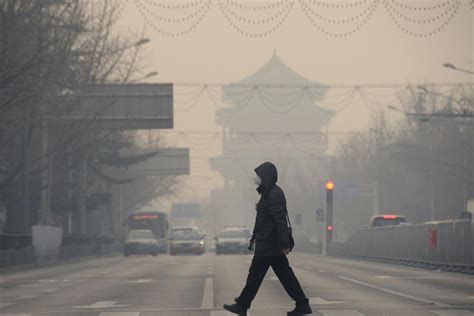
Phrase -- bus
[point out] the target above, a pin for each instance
(155, 221)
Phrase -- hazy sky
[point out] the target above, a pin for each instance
(381, 52)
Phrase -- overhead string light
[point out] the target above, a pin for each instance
(152, 10)
(286, 98)
(254, 25)
(433, 18)
(338, 27)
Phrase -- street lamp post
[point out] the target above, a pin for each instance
(453, 67)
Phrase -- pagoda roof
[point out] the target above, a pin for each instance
(275, 72)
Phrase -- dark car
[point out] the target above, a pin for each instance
(232, 240)
(187, 241)
(141, 241)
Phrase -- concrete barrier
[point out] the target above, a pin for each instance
(448, 243)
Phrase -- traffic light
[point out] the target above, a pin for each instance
(330, 186)
(329, 207)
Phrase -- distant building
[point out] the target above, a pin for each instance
(279, 124)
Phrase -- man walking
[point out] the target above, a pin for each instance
(272, 245)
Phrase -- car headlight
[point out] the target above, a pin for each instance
(201, 243)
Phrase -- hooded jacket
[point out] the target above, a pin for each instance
(271, 227)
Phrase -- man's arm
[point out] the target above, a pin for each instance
(277, 206)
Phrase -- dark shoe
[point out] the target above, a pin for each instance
(300, 310)
(236, 309)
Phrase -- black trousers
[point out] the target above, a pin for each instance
(283, 271)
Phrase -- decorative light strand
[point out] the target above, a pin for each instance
(338, 21)
(306, 8)
(425, 21)
(391, 13)
(181, 6)
(286, 13)
(184, 19)
(422, 8)
(334, 5)
(256, 7)
(142, 9)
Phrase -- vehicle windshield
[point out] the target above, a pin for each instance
(141, 234)
(232, 234)
(378, 222)
(186, 235)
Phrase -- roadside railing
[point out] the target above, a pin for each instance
(445, 245)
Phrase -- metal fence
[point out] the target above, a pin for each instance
(442, 243)
(16, 250)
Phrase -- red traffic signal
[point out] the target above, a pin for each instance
(330, 186)
(330, 228)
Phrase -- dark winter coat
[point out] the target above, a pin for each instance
(271, 228)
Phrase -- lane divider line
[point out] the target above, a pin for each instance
(453, 312)
(119, 314)
(396, 293)
(208, 294)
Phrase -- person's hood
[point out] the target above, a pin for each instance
(269, 175)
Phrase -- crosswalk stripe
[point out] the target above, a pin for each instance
(119, 314)
(452, 312)
(27, 297)
(223, 313)
(340, 312)
(6, 304)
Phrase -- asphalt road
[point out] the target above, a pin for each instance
(199, 285)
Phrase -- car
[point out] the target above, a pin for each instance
(232, 240)
(187, 241)
(386, 220)
(141, 241)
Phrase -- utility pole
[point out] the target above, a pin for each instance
(82, 194)
(26, 173)
(46, 170)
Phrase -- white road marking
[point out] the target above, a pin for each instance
(273, 278)
(101, 304)
(395, 277)
(119, 314)
(208, 295)
(54, 289)
(454, 312)
(141, 281)
(80, 280)
(2, 305)
(322, 301)
(65, 284)
(47, 280)
(223, 313)
(411, 297)
(29, 285)
(27, 297)
(341, 312)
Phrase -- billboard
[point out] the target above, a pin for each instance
(122, 106)
(162, 162)
(185, 210)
